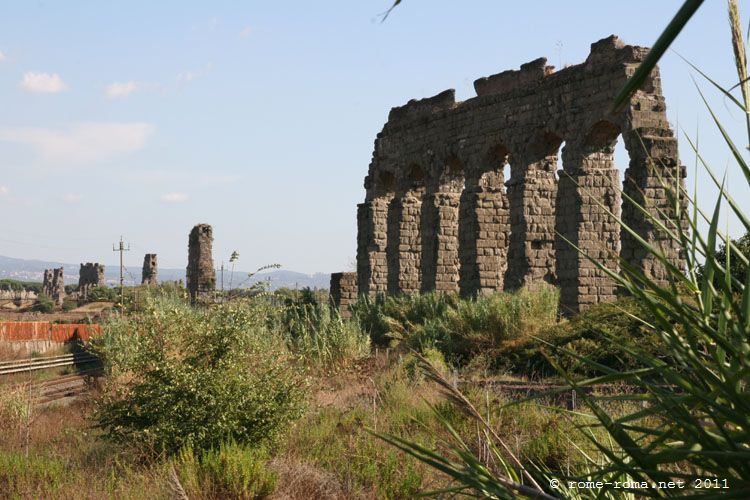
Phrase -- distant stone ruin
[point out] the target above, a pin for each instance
(149, 273)
(471, 197)
(343, 291)
(201, 277)
(15, 299)
(53, 285)
(90, 276)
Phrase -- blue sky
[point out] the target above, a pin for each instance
(145, 118)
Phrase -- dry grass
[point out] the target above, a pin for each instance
(327, 454)
(303, 481)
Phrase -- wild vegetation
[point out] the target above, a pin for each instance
(269, 396)
(686, 431)
(278, 396)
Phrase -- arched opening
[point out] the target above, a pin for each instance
(440, 215)
(404, 235)
(532, 192)
(588, 203)
(384, 183)
(372, 239)
(559, 171)
(484, 225)
(415, 178)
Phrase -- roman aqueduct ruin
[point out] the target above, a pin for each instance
(469, 196)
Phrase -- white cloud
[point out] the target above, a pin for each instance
(80, 143)
(4, 191)
(174, 198)
(246, 32)
(46, 83)
(121, 89)
(2, 56)
(71, 198)
(189, 76)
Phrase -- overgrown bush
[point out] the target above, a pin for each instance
(459, 328)
(183, 377)
(587, 335)
(45, 304)
(15, 408)
(387, 316)
(102, 294)
(320, 336)
(737, 268)
(685, 418)
(69, 304)
(229, 471)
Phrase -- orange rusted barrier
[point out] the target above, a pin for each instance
(27, 331)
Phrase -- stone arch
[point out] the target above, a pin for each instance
(530, 111)
(532, 192)
(483, 223)
(404, 234)
(385, 183)
(588, 205)
(440, 218)
(415, 179)
(493, 169)
(453, 175)
(372, 224)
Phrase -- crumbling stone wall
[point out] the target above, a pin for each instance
(471, 195)
(90, 275)
(53, 285)
(201, 277)
(343, 290)
(149, 272)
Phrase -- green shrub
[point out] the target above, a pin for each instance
(183, 377)
(476, 326)
(44, 304)
(69, 305)
(737, 268)
(20, 474)
(319, 334)
(459, 328)
(587, 335)
(229, 471)
(102, 294)
(384, 318)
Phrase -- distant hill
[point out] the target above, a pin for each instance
(33, 270)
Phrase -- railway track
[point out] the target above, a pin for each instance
(57, 389)
(67, 387)
(43, 363)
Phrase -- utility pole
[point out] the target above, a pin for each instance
(121, 249)
(222, 276)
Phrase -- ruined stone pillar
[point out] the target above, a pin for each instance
(53, 285)
(404, 245)
(484, 229)
(588, 181)
(531, 192)
(372, 266)
(654, 170)
(343, 290)
(440, 260)
(149, 272)
(90, 275)
(201, 277)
